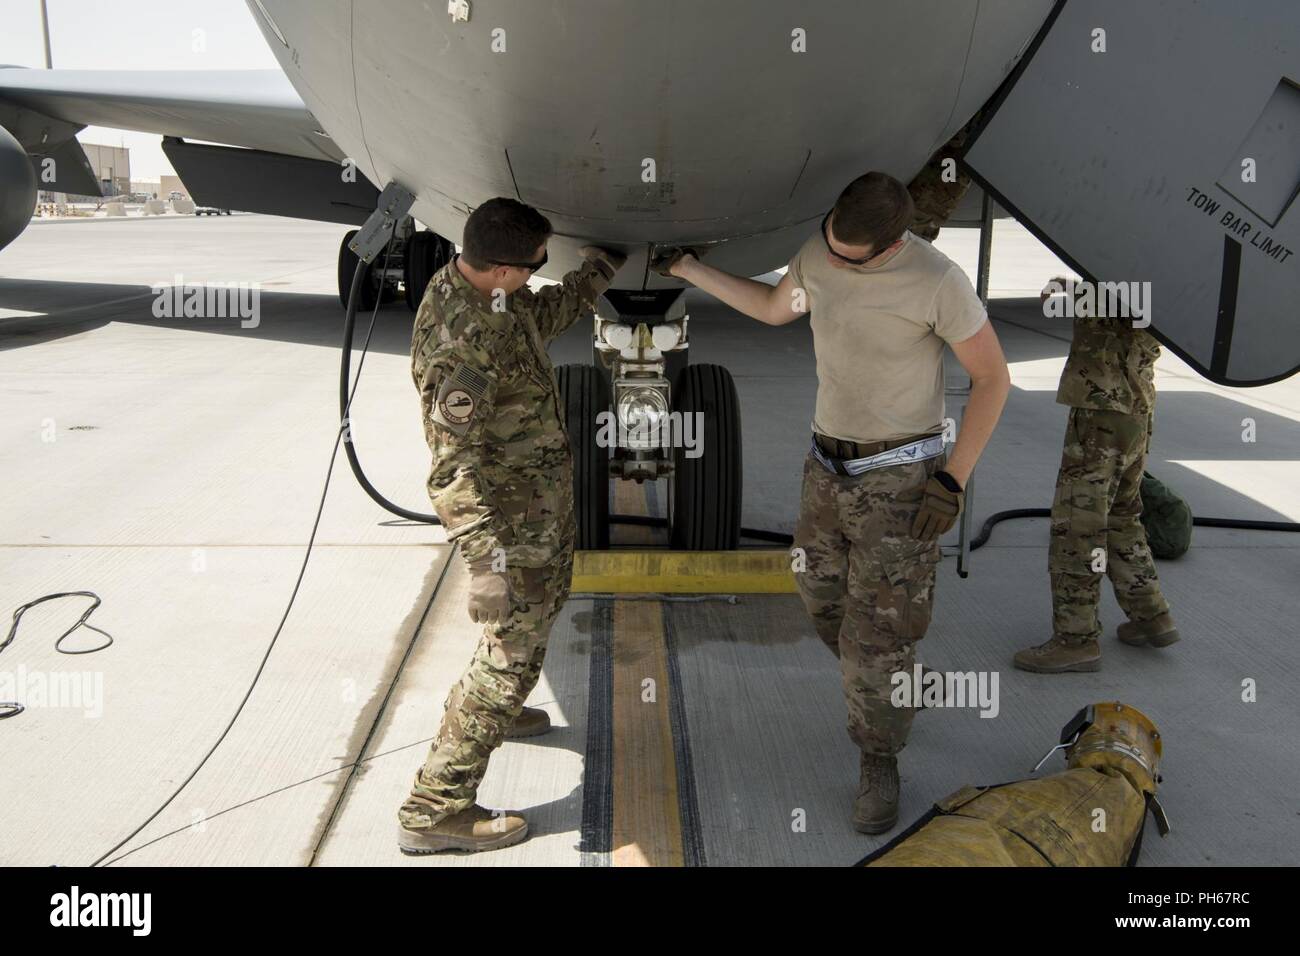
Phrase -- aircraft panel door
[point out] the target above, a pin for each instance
(1159, 142)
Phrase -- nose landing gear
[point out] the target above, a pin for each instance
(403, 269)
(641, 413)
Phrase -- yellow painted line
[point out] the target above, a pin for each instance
(647, 826)
(684, 572)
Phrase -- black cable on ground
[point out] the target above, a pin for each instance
(357, 278)
(986, 530)
(12, 708)
(1246, 525)
(653, 521)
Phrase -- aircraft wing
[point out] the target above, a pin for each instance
(251, 108)
(277, 159)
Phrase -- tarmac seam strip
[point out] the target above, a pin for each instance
(346, 786)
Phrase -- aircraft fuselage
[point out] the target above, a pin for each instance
(732, 121)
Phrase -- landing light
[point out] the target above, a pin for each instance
(642, 412)
(665, 337)
(618, 336)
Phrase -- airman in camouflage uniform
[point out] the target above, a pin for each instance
(1109, 384)
(879, 490)
(936, 192)
(878, 508)
(502, 485)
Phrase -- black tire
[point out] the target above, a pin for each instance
(582, 396)
(347, 268)
(675, 364)
(426, 253)
(706, 491)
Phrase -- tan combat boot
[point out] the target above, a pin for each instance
(472, 829)
(1158, 632)
(531, 722)
(875, 809)
(1059, 656)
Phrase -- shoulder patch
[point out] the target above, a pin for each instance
(459, 397)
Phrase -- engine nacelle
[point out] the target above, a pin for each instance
(17, 188)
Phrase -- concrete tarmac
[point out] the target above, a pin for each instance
(174, 466)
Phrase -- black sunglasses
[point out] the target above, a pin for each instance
(826, 235)
(530, 266)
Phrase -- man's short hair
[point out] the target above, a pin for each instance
(874, 209)
(503, 230)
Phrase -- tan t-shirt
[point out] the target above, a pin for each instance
(879, 333)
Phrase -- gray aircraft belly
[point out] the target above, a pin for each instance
(566, 104)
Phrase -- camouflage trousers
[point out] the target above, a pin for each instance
(868, 585)
(1096, 526)
(483, 705)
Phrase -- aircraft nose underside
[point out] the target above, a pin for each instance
(606, 117)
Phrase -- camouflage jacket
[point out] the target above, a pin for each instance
(934, 197)
(1111, 367)
(502, 471)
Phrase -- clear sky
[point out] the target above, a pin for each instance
(134, 35)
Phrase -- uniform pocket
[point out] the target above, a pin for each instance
(543, 526)
(907, 593)
(524, 502)
(527, 587)
(544, 505)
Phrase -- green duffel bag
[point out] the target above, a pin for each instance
(1166, 517)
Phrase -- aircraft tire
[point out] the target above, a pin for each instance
(582, 396)
(706, 490)
(347, 269)
(426, 253)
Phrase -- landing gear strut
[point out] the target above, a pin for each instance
(403, 269)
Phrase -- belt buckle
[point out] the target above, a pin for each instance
(831, 460)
